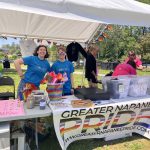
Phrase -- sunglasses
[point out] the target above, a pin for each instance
(132, 55)
(61, 53)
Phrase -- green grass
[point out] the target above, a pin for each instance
(79, 79)
(135, 142)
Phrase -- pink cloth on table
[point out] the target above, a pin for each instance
(10, 108)
(124, 69)
(137, 61)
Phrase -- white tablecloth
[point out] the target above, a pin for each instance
(109, 119)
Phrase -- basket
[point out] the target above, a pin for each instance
(54, 90)
(117, 86)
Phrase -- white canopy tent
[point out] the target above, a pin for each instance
(68, 20)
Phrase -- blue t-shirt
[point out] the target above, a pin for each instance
(62, 67)
(36, 69)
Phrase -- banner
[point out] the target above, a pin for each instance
(109, 121)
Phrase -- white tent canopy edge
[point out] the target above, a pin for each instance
(68, 20)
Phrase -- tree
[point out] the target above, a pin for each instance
(145, 1)
(121, 39)
(145, 47)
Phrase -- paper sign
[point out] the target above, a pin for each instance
(10, 108)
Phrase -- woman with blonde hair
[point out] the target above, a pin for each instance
(91, 72)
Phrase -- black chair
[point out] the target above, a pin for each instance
(7, 81)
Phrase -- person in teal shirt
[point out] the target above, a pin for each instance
(64, 66)
(37, 67)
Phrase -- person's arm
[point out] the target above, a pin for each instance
(138, 64)
(18, 64)
(94, 74)
(140, 67)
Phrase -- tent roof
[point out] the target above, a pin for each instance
(68, 20)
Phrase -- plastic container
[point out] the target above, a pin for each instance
(42, 104)
(38, 95)
(138, 86)
(54, 90)
(104, 82)
(148, 88)
(118, 88)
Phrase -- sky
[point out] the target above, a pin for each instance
(8, 41)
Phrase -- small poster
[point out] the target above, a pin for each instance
(10, 108)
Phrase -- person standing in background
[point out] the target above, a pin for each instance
(6, 62)
(37, 67)
(91, 71)
(64, 66)
(136, 58)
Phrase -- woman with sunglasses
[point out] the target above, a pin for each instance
(64, 66)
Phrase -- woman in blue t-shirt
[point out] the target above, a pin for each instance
(37, 67)
(64, 66)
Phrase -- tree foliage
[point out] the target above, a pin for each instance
(145, 1)
(121, 40)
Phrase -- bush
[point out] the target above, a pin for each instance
(1, 68)
(1, 55)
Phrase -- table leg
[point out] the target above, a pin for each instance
(36, 134)
(4, 136)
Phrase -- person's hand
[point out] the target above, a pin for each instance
(96, 79)
(44, 81)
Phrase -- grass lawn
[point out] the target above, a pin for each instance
(135, 142)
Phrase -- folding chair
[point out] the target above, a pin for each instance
(7, 81)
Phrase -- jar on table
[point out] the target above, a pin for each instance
(42, 104)
(30, 101)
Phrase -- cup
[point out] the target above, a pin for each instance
(42, 104)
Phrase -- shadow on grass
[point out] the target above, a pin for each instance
(51, 143)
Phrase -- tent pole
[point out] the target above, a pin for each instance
(83, 72)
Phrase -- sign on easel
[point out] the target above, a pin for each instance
(10, 108)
